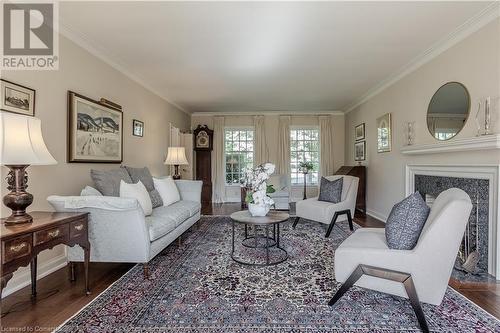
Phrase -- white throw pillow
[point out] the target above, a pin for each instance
(169, 192)
(90, 191)
(137, 191)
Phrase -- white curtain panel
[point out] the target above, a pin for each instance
(326, 143)
(218, 162)
(260, 150)
(283, 163)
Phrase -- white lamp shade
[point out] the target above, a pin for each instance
(21, 141)
(176, 156)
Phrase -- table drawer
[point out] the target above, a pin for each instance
(78, 229)
(44, 236)
(16, 248)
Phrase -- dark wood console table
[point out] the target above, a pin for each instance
(20, 244)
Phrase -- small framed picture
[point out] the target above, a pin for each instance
(16, 98)
(359, 132)
(137, 128)
(360, 151)
(384, 136)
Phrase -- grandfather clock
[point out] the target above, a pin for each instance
(203, 146)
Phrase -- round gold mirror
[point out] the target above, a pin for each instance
(448, 111)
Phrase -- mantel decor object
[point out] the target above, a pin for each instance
(21, 145)
(176, 156)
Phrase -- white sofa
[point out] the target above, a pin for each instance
(420, 274)
(327, 212)
(119, 231)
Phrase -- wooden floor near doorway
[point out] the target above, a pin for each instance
(66, 298)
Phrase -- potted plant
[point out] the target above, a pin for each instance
(259, 203)
(305, 167)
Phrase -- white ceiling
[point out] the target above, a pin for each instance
(242, 56)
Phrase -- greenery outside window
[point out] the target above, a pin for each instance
(304, 147)
(238, 151)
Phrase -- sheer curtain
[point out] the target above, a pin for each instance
(260, 149)
(283, 163)
(326, 143)
(218, 162)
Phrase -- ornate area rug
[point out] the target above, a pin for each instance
(198, 288)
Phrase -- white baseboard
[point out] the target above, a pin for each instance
(23, 278)
(377, 215)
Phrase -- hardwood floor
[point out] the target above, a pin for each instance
(59, 299)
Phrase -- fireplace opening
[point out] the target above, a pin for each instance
(472, 259)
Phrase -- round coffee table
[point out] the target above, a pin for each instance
(272, 219)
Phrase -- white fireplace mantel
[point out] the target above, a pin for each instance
(491, 141)
(489, 172)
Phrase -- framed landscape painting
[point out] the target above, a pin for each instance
(360, 151)
(359, 132)
(384, 135)
(16, 98)
(95, 131)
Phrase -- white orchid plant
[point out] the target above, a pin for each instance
(257, 188)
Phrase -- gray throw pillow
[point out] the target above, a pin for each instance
(145, 177)
(108, 182)
(331, 190)
(405, 222)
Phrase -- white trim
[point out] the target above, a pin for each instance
(489, 172)
(111, 59)
(23, 278)
(377, 215)
(455, 145)
(267, 113)
(472, 25)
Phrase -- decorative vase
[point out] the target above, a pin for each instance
(258, 210)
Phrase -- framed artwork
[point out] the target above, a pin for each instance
(16, 98)
(137, 128)
(360, 151)
(95, 131)
(359, 132)
(384, 135)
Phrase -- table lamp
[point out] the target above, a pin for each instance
(21, 145)
(176, 156)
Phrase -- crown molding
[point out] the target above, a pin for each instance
(111, 59)
(266, 113)
(487, 15)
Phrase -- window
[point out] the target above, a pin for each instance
(238, 153)
(304, 147)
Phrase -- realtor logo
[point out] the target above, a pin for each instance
(29, 36)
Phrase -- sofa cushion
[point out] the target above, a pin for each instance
(143, 175)
(90, 191)
(279, 194)
(346, 184)
(159, 226)
(167, 189)
(137, 191)
(108, 182)
(405, 222)
(331, 190)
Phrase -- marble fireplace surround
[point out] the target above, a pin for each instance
(487, 172)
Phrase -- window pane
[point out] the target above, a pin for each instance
(304, 147)
(239, 154)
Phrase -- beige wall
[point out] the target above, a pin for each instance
(271, 126)
(81, 72)
(474, 62)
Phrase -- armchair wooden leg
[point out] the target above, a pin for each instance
(358, 272)
(386, 274)
(295, 221)
(334, 219)
(415, 303)
(349, 218)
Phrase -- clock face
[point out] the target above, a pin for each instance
(202, 140)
